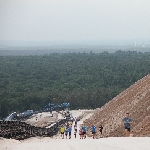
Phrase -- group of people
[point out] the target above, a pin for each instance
(83, 130)
(67, 128)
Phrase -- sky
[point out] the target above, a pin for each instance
(74, 21)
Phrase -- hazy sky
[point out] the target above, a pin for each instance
(74, 20)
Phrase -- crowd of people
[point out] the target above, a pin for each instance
(71, 126)
(66, 130)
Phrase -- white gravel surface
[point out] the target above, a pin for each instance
(112, 143)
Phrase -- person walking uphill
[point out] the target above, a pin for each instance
(84, 129)
(81, 133)
(101, 131)
(62, 130)
(75, 130)
(93, 130)
(70, 130)
(66, 132)
(127, 121)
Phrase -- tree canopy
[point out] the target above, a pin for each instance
(85, 80)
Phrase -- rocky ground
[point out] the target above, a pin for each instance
(136, 101)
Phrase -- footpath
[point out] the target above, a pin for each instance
(47, 143)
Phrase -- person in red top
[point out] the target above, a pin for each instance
(81, 133)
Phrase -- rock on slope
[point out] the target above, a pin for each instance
(136, 101)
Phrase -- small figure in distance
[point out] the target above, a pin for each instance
(81, 133)
(36, 118)
(70, 130)
(70, 123)
(75, 130)
(93, 130)
(75, 120)
(62, 130)
(67, 124)
(101, 131)
(126, 122)
(66, 132)
(84, 129)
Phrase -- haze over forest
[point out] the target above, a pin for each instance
(74, 23)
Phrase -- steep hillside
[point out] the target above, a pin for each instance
(136, 101)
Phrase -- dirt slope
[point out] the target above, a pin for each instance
(136, 100)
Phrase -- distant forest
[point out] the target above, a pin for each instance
(85, 80)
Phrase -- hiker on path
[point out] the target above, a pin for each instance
(75, 130)
(81, 133)
(70, 130)
(62, 130)
(70, 123)
(36, 118)
(67, 124)
(75, 121)
(84, 129)
(101, 130)
(66, 132)
(126, 122)
(93, 130)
